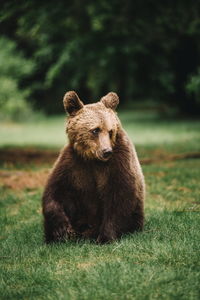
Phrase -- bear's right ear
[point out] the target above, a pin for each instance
(72, 103)
(111, 100)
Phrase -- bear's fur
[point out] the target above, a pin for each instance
(96, 188)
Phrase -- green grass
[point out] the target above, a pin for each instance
(162, 262)
(45, 133)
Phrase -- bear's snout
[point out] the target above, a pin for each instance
(107, 153)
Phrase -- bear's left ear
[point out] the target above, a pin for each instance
(72, 103)
(111, 100)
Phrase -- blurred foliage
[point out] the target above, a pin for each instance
(193, 86)
(140, 49)
(14, 67)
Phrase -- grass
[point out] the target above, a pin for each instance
(45, 133)
(160, 263)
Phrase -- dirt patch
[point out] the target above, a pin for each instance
(27, 156)
(31, 180)
(39, 157)
(173, 157)
(20, 180)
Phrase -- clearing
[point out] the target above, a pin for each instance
(162, 262)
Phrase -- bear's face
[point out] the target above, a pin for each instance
(92, 128)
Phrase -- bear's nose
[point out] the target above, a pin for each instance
(107, 152)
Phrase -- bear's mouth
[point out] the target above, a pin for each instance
(104, 158)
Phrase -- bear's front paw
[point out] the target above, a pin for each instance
(60, 234)
(105, 238)
(71, 233)
(91, 233)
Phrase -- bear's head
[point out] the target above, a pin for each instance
(92, 128)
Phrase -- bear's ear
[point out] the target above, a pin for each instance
(72, 103)
(111, 100)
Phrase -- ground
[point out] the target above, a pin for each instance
(160, 263)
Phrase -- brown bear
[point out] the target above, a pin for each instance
(96, 188)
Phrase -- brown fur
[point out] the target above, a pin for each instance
(91, 192)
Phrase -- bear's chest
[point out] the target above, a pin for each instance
(82, 179)
(90, 179)
(101, 176)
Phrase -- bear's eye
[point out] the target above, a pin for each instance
(110, 133)
(96, 130)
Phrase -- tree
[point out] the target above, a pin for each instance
(141, 49)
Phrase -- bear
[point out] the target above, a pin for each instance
(96, 188)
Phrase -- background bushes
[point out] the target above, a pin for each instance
(144, 50)
(14, 68)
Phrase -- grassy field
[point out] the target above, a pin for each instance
(162, 262)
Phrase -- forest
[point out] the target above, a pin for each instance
(146, 51)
